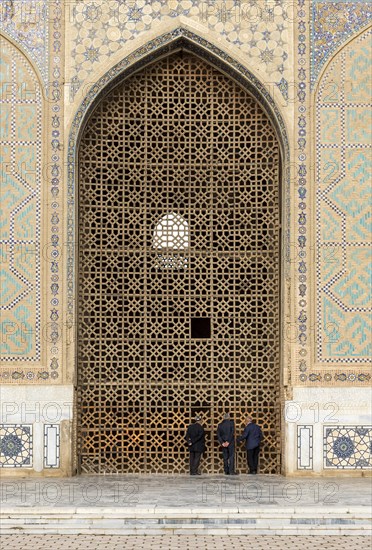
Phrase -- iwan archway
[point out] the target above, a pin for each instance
(179, 170)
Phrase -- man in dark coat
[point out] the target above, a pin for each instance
(226, 438)
(252, 435)
(195, 437)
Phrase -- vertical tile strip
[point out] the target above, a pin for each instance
(51, 446)
(304, 447)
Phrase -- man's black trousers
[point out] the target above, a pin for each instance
(194, 462)
(229, 459)
(252, 459)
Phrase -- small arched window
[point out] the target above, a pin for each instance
(171, 236)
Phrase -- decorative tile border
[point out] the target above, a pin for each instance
(347, 447)
(15, 446)
(56, 178)
(304, 447)
(345, 376)
(302, 192)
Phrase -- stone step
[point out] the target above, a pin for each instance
(131, 521)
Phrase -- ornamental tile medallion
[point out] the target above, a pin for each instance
(348, 447)
(15, 446)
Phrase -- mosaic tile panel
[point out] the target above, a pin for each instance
(347, 447)
(26, 22)
(52, 71)
(258, 27)
(15, 446)
(343, 176)
(20, 146)
(332, 23)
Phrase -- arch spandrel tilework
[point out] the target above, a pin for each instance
(343, 148)
(258, 28)
(21, 146)
(333, 22)
(26, 22)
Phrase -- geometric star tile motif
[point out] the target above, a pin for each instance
(348, 447)
(343, 217)
(15, 446)
(258, 27)
(20, 179)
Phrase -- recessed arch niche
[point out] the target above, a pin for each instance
(180, 139)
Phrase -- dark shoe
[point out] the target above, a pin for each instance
(227, 474)
(234, 474)
(198, 474)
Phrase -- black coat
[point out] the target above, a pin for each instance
(225, 431)
(252, 435)
(196, 436)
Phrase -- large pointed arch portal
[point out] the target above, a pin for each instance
(179, 260)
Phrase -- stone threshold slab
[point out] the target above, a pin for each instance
(172, 512)
(193, 530)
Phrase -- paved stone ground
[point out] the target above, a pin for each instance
(174, 491)
(183, 542)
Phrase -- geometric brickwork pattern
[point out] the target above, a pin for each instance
(332, 23)
(26, 22)
(15, 446)
(178, 220)
(20, 180)
(343, 178)
(348, 447)
(259, 28)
